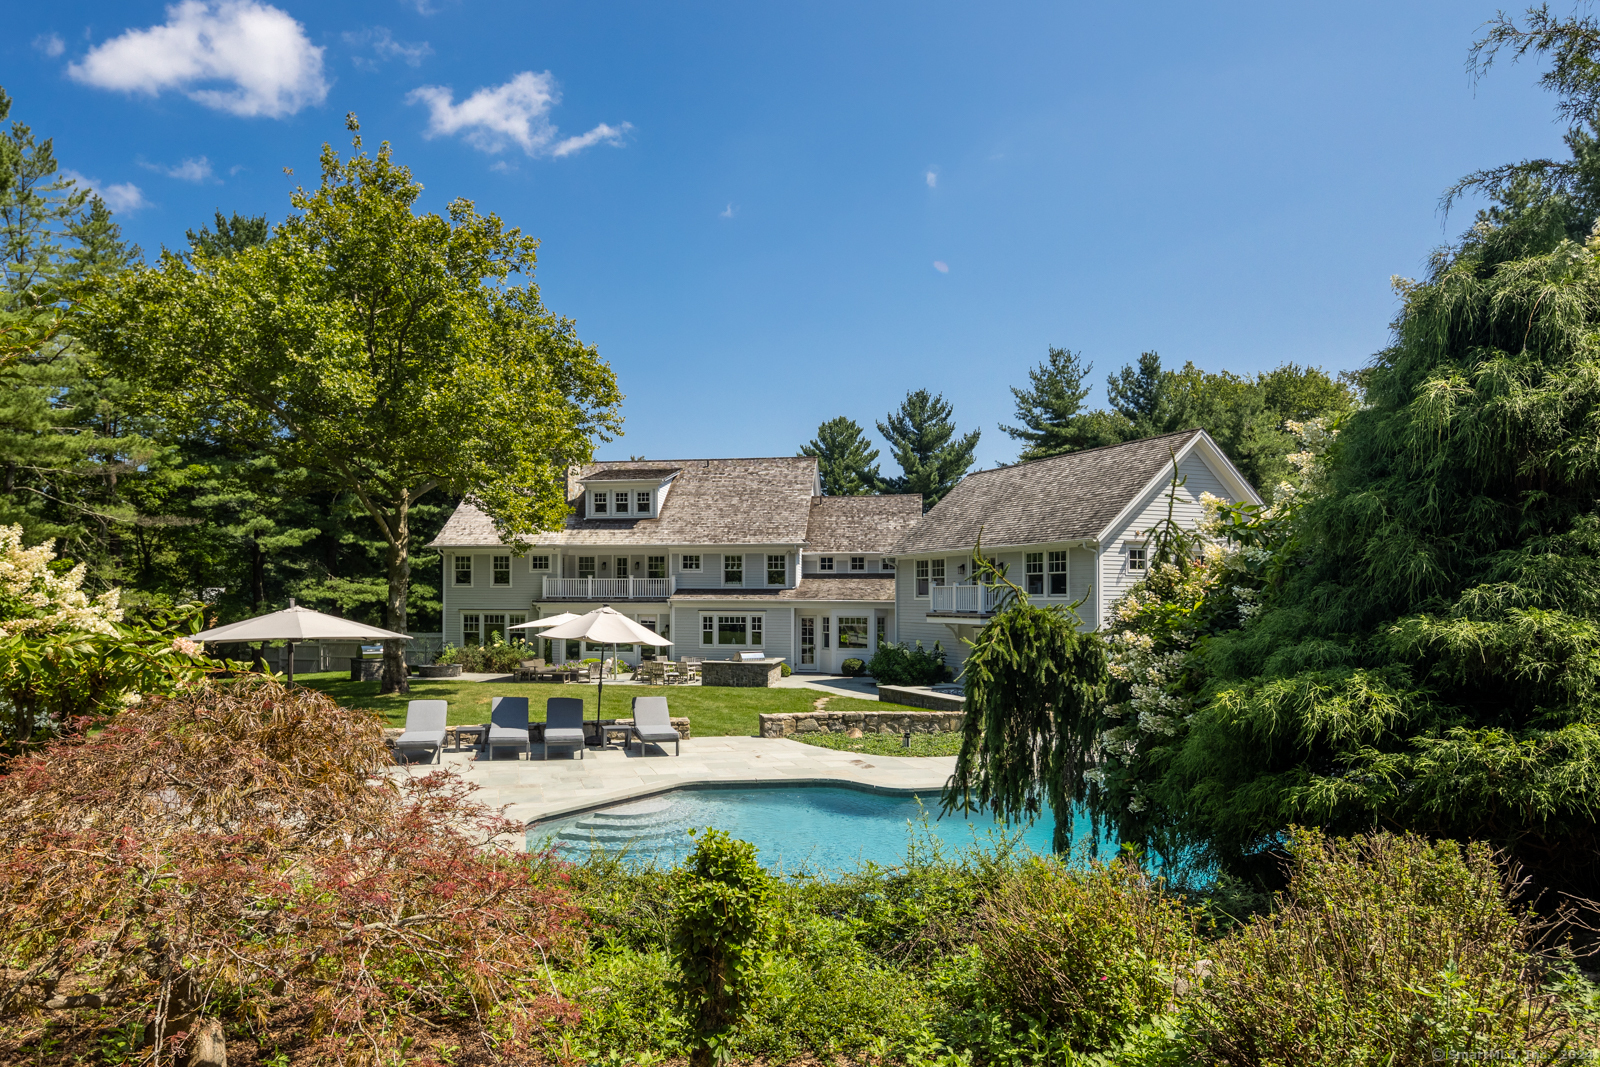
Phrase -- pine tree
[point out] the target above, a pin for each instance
(232, 235)
(1139, 395)
(846, 459)
(1051, 410)
(922, 437)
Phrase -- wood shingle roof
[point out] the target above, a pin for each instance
(846, 524)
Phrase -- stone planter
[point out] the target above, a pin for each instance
(366, 670)
(440, 670)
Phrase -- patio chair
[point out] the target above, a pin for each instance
(563, 723)
(508, 725)
(424, 728)
(653, 722)
(529, 669)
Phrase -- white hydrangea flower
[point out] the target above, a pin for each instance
(42, 601)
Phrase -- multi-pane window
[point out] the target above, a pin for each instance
(471, 629)
(622, 503)
(641, 502)
(518, 637)
(1033, 568)
(1058, 574)
(938, 571)
(922, 577)
(463, 570)
(853, 632)
(825, 621)
(502, 570)
(689, 563)
(777, 570)
(622, 566)
(883, 629)
(1136, 557)
(732, 570)
(858, 563)
(824, 563)
(538, 563)
(735, 630)
(494, 626)
(886, 564)
(602, 501)
(656, 567)
(585, 566)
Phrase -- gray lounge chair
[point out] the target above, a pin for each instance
(563, 724)
(508, 725)
(424, 729)
(652, 722)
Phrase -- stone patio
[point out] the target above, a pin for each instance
(539, 789)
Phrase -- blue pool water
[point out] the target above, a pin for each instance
(815, 828)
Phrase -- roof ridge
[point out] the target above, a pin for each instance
(705, 459)
(1085, 451)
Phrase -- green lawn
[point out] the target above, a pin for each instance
(712, 712)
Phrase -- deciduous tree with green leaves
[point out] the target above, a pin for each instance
(391, 352)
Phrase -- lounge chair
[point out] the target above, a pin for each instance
(424, 728)
(563, 723)
(529, 669)
(508, 725)
(652, 722)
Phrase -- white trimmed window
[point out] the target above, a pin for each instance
(463, 570)
(585, 566)
(655, 567)
(852, 631)
(1058, 574)
(621, 500)
(777, 570)
(858, 563)
(886, 564)
(824, 563)
(732, 631)
(538, 563)
(602, 501)
(937, 566)
(471, 629)
(689, 563)
(516, 637)
(641, 502)
(922, 577)
(732, 570)
(501, 570)
(1136, 558)
(1033, 567)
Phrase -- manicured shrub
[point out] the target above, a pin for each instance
(894, 664)
(853, 668)
(496, 657)
(719, 940)
(1385, 948)
(784, 670)
(237, 849)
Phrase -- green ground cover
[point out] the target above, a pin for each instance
(713, 712)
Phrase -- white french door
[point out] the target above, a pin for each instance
(808, 642)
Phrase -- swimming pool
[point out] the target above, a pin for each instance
(815, 828)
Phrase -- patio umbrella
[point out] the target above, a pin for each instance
(605, 626)
(549, 620)
(294, 624)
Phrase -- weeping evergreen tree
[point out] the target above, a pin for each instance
(1432, 660)
(1033, 683)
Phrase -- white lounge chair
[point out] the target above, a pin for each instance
(653, 722)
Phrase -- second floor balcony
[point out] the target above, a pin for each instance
(609, 588)
(965, 599)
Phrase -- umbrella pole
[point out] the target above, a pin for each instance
(291, 662)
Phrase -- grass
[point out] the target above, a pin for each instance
(712, 712)
(884, 744)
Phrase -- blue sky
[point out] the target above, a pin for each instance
(767, 215)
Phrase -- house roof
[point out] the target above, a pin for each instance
(846, 524)
(711, 502)
(1062, 498)
(811, 587)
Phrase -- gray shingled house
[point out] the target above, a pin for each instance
(1065, 528)
(720, 555)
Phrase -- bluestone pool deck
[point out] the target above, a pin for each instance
(537, 789)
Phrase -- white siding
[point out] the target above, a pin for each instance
(482, 595)
(1186, 510)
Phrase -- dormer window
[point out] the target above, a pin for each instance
(641, 502)
(824, 563)
(602, 502)
(858, 563)
(622, 503)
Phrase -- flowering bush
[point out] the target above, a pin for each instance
(238, 850)
(67, 658)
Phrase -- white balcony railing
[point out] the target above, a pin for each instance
(965, 599)
(609, 588)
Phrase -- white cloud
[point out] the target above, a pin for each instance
(50, 44)
(121, 196)
(190, 170)
(517, 112)
(941, 266)
(727, 212)
(384, 46)
(258, 50)
(933, 179)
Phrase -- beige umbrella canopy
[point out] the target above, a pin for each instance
(294, 624)
(552, 620)
(605, 626)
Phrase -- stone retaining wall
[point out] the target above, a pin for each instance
(920, 696)
(868, 722)
(536, 729)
